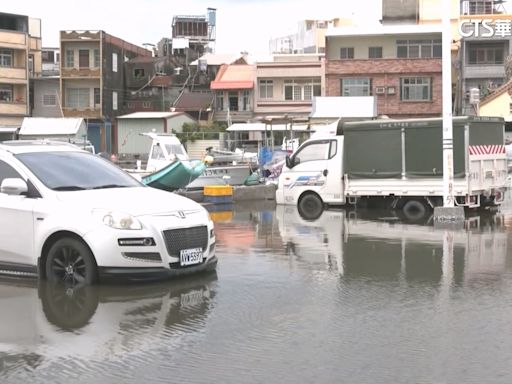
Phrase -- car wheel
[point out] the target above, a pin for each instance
(68, 308)
(71, 262)
(310, 206)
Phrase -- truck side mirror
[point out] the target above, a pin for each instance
(289, 162)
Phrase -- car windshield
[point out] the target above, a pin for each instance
(72, 171)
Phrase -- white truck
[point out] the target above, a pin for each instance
(397, 164)
(360, 244)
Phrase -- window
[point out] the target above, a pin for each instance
(114, 101)
(70, 58)
(486, 54)
(245, 100)
(97, 96)
(138, 73)
(219, 101)
(96, 57)
(374, 52)
(6, 58)
(346, 53)
(49, 100)
(7, 172)
(114, 62)
(317, 150)
(356, 86)
(266, 89)
(78, 98)
(6, 93)
(31, 65)
(413, 49)
(416, 89)
(301, 89)
(83, 58)
(47, 56)
(157, 153)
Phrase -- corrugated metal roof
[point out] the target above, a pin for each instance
(150, 115)
(51, 125)
(161, 81)
(193, 101)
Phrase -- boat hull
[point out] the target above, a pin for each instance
(176, 175)
(222, 175)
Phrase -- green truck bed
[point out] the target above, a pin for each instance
(386, 148)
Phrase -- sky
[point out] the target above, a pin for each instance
(242, 25)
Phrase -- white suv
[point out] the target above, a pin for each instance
(67, 215)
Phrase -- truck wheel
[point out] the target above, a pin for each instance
(414, 210)
(310, 206)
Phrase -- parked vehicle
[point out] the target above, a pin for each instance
(108, 321)
(361, 243)
(167, 149)
(67, 215)
(398, 163)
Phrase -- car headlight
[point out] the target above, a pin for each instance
(118, 220)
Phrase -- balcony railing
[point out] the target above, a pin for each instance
(82, 72)
(15, 108)
(85, 113)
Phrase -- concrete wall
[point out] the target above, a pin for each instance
(46, 87)
(500, 106)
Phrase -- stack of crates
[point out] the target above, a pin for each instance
(218, 194)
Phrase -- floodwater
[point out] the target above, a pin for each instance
(352, 297)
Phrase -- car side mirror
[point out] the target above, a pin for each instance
(11, 186)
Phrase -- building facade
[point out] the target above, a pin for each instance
(20, 61)
(399, 64)
(92, 80)
(483, 55)
(288, 85)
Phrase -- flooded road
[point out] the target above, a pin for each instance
(352, 297)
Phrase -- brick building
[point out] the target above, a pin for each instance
(398, 64)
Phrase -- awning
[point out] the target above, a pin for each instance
(219, 85)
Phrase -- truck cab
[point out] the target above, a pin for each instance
(313, 176)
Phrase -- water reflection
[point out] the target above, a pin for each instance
(380, 245)
(40, 321)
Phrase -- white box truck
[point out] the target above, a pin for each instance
(397, 164)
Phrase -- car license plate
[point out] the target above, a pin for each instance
(191, 256)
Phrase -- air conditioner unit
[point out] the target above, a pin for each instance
(391, 90)
(380, 90)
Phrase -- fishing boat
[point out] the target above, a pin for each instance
(175, 175)
(169, 167)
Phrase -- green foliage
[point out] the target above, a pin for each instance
(192, 132)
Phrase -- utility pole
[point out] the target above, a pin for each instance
(449, 212)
